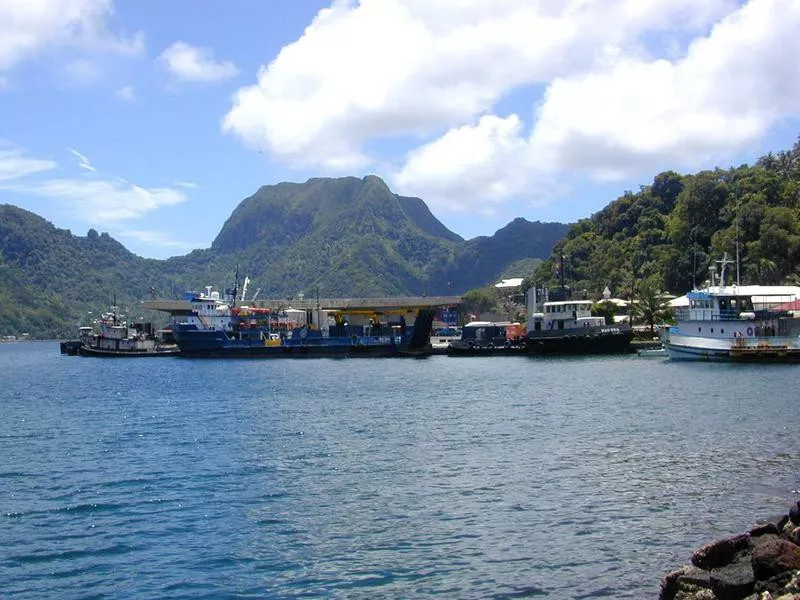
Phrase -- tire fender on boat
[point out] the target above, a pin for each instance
(749, 331)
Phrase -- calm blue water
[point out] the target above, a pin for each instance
(498, 477)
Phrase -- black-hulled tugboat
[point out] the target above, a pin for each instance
(566, 326)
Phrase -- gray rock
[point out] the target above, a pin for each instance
(684, 583)
(734, 581)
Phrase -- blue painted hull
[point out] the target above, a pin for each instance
(217, 344)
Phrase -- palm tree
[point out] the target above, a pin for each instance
(651, 306)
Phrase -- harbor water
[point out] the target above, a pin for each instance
(471, 477)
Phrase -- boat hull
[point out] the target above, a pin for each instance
(92, 351)
(590, 340)
(776, 350)
(216, 344)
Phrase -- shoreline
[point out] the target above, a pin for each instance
(760, 564)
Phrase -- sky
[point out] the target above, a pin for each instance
(153, 120)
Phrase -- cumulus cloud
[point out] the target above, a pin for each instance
(468, 164)
(192, 64)
(15, 165)
(28, 27)
(728, 90)
(607, 88)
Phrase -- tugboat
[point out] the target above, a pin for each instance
(568, 327)
(113, 336)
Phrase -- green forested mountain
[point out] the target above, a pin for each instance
(335, 237)
(670, 232)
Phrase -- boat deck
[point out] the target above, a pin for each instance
(763, 353)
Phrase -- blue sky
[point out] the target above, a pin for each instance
(152, 120)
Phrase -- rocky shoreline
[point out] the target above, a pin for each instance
(761, 564)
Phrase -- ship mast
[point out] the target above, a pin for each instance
(723, 265)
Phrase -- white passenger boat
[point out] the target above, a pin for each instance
(751, 323)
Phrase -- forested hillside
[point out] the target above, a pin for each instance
(669, 232)
(335, 237)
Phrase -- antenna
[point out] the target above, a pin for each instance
(737, 242)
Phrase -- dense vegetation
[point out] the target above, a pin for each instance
(669, 233)
(335, 237)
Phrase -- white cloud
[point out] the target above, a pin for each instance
(191, 64)
(29, 27)
(468, 165)
(388, 67)
(103, 201)
(185, 184)
(629, 86)
(728, 90)
(161, 239)
(97, 198)
(83, 162)
(14, 165)
(126, 93)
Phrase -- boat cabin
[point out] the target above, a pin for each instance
(706, 305)
(567, 314)
(484, 333)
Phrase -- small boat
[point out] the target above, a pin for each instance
(481, 338)
(652, 352)
(751, 323)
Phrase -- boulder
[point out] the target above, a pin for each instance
(774, 557)
(794, 513)
(720, 553)
(771, 525)
(684, 583)
(734, 581)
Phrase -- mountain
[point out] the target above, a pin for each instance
(332, 237)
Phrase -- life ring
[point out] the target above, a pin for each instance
(303, 332)
(749, 331)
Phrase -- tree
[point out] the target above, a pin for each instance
(605, 309)
(651, 306)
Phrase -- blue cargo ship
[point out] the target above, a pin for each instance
(215, 328)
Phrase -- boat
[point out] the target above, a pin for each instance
(115, 337)
(566, 326)
(480, 338)
(216, 327)
(73, 347)
(751, 323)
(652, 352)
